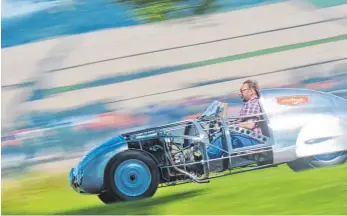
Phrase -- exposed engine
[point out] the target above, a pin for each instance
(172, 157)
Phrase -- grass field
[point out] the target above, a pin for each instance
(269, 191)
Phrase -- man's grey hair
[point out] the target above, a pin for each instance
(252, 84)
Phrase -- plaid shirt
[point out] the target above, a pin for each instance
(251, 107)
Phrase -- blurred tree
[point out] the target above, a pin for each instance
(159, 10)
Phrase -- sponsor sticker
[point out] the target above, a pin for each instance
(292, 100)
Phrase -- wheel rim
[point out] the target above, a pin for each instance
(133, 177)
(328, 157)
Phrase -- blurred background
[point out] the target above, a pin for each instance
(75, 73)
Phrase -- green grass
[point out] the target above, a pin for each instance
(269, 191)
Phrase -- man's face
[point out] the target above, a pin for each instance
(246, 93)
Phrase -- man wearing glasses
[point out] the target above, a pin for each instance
(250, 96)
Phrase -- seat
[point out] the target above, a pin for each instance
(263, 125)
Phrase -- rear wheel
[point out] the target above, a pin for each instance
(132, 175)
(326, 160)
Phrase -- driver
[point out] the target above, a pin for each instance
(250, 96)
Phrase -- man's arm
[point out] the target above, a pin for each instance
(250, 123)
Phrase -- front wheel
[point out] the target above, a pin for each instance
(132, 175)
(107, 198)
(326, 160)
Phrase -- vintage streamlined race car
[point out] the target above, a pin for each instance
(303, 128)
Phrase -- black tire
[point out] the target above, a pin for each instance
(107, 198)
(315, 162)
(146, 177)
(189, 131)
